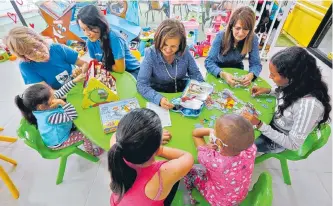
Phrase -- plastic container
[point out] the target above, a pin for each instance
(191, 28)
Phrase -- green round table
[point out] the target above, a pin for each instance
(89, 123)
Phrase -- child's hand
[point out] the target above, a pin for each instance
(56, 102)
(166, 136)
(76, 72)
(81, 77)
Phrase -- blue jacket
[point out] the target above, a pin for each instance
(233, 57)
(52, 134)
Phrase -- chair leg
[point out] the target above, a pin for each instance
(12, 188)
(8, 139)
(7, 159)
(285, 171)
(62, 168)
(86, 155)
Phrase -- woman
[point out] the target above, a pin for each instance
(41, 62)
(230, 47)
(303, 101)
(167, 64)
(104, 44)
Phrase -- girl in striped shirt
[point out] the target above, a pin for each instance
(53, 117)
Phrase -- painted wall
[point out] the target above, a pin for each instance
(304, 20)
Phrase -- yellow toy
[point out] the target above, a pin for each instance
(100, 87)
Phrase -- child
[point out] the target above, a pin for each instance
(42, 106)
(136, 178)
(228, 161)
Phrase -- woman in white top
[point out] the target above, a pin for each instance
(303, 101)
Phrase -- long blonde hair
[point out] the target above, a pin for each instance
(24, 41)
(247, 17)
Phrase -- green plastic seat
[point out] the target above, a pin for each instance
(32, 138)
(315, 140)
(260, 195)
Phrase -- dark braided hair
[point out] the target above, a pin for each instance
(304, 76)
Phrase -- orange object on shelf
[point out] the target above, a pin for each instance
(12, 57)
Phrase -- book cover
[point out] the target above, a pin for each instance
(111, 113)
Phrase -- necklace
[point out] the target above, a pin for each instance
(174, 78)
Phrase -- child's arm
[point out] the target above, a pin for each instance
(198, 135)
(68, 86)
(69, 114)
(179, 165)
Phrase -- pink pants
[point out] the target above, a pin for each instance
(77, 136)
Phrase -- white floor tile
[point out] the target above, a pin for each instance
(326, 180)
(100, 191)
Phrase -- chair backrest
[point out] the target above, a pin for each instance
(315, 140)
(30, 134)
(155, 5)
(261, 193)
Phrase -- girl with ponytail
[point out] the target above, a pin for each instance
(41, 106)
(104, 44)
(136, 177)
(303, 101)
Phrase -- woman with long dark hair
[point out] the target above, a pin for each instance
(303, 101)
(230, 47)
(104, 44)
(136, 177)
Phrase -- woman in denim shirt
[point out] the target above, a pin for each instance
(230, 47)
(167, 65)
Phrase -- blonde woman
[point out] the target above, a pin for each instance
(230, 47)
(42, 62)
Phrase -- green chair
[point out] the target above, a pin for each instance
(32, 138)
(312, 143)
(260, 195)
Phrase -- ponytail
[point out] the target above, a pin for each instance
(122, 176)
(26, 112)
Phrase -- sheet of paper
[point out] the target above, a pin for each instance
(164, 114)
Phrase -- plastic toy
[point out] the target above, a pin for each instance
(191, 28)
(3, 55)
(80, 47)
(100, 86)
(201, 49)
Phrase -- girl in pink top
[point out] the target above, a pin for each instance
(228, 161)
(136, 178)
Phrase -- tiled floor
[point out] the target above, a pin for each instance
(86, 183)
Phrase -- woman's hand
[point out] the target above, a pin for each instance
(56, 102)
(253, 119)
(228, 78)
(256, 91)
(246, 81)
(166, 136)
(166, 104)
(80, 78)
